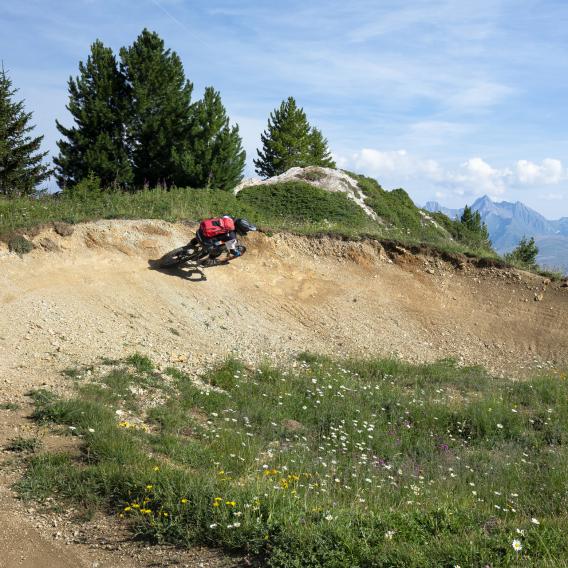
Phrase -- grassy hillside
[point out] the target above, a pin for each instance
(321, 464)
(395, 207)
(399, 211)
(294, 206)
(299, 202)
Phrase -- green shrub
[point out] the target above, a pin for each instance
(22, 444)
(394, 207)
(525, 253)
(141, 363)
(20, 245)
(300, 201)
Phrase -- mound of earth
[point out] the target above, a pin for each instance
(325, 178)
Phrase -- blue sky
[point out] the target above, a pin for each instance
(448, 99)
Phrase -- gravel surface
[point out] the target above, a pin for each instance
(93, 293)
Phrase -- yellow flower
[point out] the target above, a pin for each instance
(230, 503)
(149, 487)
(146, 511)
(184, 501)
(156, 468)
(127, 508)
(215, 503)
(135, 506)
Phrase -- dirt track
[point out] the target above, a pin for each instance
(95, 295)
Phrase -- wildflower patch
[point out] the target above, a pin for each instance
(390, 464)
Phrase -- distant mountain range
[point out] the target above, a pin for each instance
(509, 222)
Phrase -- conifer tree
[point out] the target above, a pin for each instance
(21, 161)
(467, 216)
(96, 144)
(473, 230)
(285, 142)
(159, 113)
(525, 253)
(319, 151)
(217, 155)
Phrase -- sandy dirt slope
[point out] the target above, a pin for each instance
(97, 296)
(94, 294)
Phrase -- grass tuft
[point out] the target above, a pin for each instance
(141, 363)
(22, 444)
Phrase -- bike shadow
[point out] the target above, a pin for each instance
(193, 273)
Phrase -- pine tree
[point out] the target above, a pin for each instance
(472, 230)
(159, 113)
(467, 216)
(21, 161)
(319, 151)
(525, 253)
(218, 158)
(286, 142)
(96, 144)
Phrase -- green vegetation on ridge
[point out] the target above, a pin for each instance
(296, 207)
(323, 463)
(396, 208)
(297, 201)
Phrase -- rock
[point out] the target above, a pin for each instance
(292, 425)
(48, 245)
(538, 297)
(564, 284)
(63, 229)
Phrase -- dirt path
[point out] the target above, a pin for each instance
(94, 295)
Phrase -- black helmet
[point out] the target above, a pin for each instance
(243, 226)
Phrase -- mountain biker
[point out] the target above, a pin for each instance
(220, 234)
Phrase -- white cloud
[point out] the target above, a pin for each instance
(473, 177)
(399, 162)
(479, 177)
(480, 94)
(549, 172)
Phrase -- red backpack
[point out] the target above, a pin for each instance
(213, 227)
